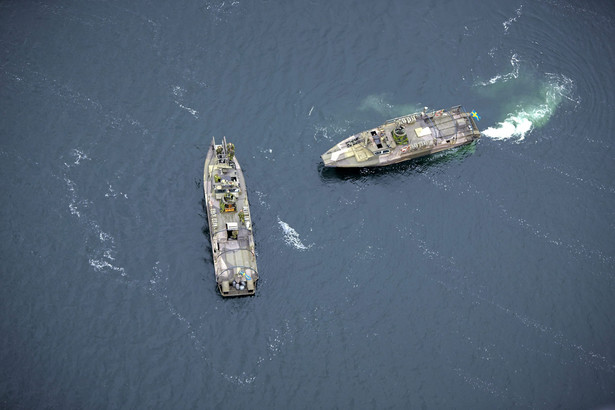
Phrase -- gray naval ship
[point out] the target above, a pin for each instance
(404, 138)
(230, 226)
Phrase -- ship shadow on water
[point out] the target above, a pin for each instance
(208, 259)
(414, 166)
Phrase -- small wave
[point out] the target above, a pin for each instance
(113, 193)
(511, 20)
(100, 265)
(239, 380)
(107, 243)
(192, 111)
(514, 62)
(220, 10)
(267, 153)
(291, 237)
(79, 155)
(178, 91)
(73, 198)
(518, 124)
(262, 199)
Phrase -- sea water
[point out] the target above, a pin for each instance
(481, 277)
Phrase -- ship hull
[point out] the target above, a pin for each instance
(229, 221)
(403, 139)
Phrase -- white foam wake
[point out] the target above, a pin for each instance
(527, 116)
(291, 237)
(515, 126)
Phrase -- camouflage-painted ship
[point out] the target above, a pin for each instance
(230, 225)
(404, 138)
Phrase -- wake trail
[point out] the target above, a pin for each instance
(576, 248)
(36, 80)
(571, 175)
(103, 258)
(448, 267)
(489, 387)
